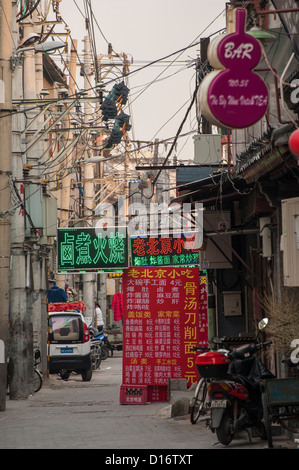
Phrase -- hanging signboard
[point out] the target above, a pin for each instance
(234, 96)
(173, 250)
(165, 315)
(91, 249)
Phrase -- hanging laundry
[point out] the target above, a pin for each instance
(117, 306)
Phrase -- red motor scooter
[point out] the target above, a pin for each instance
(234, 395)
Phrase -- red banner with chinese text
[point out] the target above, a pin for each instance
(63, 306)
(165, 314)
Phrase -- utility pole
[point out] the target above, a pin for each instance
(5, 173)
(66, 183)
(204, 44)
(18, 361)
(89, 280)
(37, 308)
(64, 202)
(27, 308)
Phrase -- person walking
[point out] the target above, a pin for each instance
(99, 318)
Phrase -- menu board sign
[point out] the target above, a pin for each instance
(165, 315)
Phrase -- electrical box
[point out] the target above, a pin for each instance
(110, 286)
(217, 253)
(232, 304)
(2, 92)
(34, 208)
(289, 241)
(207, 148)
(50, 218)
(265, 233)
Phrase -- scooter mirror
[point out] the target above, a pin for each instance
(263, 323)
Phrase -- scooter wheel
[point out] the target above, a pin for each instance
(260, 430)
(224, 432)
(104, 353)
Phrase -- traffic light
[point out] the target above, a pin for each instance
(109, 109)
(121, 93)
(114, 139)
(122, 121)
(121, 126)
(112, 104)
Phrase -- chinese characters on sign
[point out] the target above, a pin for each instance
(165, 315)
(91, 249)
(164, 251)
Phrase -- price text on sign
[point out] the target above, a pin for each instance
(165, 315)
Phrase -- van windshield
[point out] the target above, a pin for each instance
(64, 328)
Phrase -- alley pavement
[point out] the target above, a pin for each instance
(88, 415)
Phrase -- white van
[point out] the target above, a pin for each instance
(69, 344)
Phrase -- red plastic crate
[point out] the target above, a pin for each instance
(133, 394)
(157, 393)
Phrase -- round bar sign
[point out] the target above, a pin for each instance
(233, 96)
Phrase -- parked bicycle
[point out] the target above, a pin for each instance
(198, 401)
(38, 378)
(95, 353)
(37, 375)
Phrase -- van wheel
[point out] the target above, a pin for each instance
(86, 375)
(64, 374)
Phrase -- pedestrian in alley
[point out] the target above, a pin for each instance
(99, 318)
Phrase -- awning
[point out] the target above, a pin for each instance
(53, 73)
(206, 190)
(269, 157)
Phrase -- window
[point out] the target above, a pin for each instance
(64, 328)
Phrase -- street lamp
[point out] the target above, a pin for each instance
(261, 33)
(48, 46)
(94, 159)
(101, 158)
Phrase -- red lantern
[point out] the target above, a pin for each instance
(294, 142)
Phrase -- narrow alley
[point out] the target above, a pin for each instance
(87, 415)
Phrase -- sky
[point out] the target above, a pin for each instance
(147, 31)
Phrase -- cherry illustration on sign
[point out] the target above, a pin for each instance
(234, 96)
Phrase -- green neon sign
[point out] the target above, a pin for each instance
(91, 249)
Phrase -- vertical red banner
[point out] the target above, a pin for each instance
(203, 324)
(165, 315)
